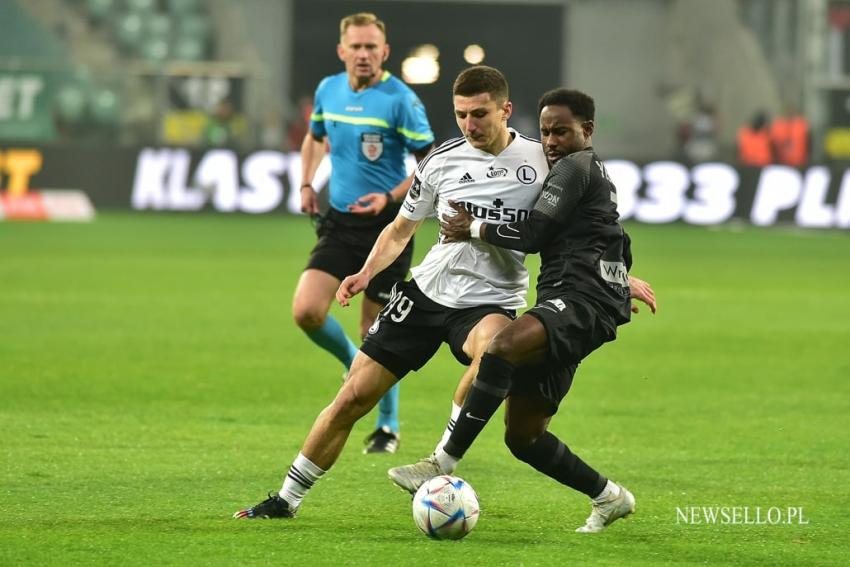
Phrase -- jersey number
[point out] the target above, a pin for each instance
(399, 307)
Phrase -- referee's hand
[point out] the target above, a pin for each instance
(309, 200)
(370, 204)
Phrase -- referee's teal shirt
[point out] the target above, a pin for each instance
(369, 132)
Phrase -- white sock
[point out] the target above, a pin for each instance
(611, 490)
(449, 427)
(447, 463)
(301, 477)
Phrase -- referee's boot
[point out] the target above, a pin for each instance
(604, 513)
(272, 507)
(411, 477)
(382, 440)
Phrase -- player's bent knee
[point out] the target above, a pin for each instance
(308, 319)
(502, 346)
(350, 405)
(348, 409)
(519, 444)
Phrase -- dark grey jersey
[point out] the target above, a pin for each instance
(575, 227)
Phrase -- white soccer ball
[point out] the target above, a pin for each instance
(445, 507)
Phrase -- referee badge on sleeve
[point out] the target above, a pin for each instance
(372, 145)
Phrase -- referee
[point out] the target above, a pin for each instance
(370, 120)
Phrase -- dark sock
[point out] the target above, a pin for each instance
(554, 459)
(488, 391)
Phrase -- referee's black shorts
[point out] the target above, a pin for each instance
(345, 241)
(411, 327)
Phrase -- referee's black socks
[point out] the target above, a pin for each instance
(488, 391)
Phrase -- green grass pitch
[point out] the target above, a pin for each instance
(152, 382)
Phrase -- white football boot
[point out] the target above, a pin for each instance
(604, 513)
(411, 477)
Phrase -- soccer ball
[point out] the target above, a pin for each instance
(445, 507)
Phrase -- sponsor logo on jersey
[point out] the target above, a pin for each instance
(526, 174)
(614, 272)
(550, 198)
(499, 213)
(354, 108)
(559, 303)
(372, 145)
(467, 178)
(497, 172)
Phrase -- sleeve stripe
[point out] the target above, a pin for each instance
(444, 147)
(357, 120)
(426, 137)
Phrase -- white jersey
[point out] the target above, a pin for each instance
(495, 189)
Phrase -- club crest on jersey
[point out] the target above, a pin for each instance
(526, 174)
(372, 145)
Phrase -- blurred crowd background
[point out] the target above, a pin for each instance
(757, 81)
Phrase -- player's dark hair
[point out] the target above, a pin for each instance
(580, 104)
(482, 79)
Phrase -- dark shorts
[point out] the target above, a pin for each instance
(574, 328)
(411, 328)
(344, 243)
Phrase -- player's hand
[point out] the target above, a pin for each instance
(351, 286)
(370, 204)
(642, 291)
(309, 201)
(455, 228)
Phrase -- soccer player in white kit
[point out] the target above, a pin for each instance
(462, 293)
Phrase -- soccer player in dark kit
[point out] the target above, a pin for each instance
(582, 296)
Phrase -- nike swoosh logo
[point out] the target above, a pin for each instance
(506, 227)
(470, 416)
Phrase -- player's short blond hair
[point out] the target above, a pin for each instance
(361, 19)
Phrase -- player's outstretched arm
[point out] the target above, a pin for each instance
(387, 248)
(642, 291)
